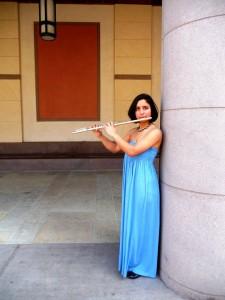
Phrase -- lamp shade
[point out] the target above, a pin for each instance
(47, 19)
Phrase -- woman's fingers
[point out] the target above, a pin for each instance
(109, 124)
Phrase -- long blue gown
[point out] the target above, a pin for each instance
(139, 232)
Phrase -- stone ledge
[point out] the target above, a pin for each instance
(55, 150)
(87, 164)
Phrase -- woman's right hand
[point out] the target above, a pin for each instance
(97, 132)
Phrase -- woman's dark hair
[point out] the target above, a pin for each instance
(149, 100)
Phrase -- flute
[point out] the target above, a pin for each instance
(84, 129)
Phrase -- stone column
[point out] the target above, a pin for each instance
(192, 257)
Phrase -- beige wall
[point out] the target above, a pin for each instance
(130, 46)
(10, 100)
(156, 55)
(137, 52)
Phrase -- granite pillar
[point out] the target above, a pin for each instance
(192, 255)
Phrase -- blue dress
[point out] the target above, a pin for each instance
(139, 232)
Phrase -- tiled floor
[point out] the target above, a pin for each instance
(59, 207)
(59, 236)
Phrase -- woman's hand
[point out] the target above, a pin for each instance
(110, 129)
(97, 132)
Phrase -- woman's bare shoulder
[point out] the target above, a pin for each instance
(155, 130)
(158, 131)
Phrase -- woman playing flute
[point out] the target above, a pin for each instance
(139, 231)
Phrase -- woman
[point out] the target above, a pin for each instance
(139, 231)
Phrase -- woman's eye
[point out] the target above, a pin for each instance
(143, 108)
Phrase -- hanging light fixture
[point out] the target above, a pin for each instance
(47, 19)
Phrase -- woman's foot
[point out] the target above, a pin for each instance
(132, 275)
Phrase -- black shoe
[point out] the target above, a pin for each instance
(132, 275)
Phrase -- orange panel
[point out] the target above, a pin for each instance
(67, 73)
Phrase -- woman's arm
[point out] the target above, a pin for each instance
(112, 146)
(148, 141)
(108, 144)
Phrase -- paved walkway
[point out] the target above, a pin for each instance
(59, 239)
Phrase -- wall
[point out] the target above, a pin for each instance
(10, 98)
(62, 131)
(137, 55)
(130, 47)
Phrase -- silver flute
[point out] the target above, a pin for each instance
(84, 129)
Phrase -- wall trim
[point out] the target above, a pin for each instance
(9, 76)
(132, 77)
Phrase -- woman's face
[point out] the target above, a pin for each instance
(143, 109)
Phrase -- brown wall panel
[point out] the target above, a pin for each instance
(67, 73)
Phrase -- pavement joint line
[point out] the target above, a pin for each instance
(10, 258)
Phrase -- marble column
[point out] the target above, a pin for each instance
(192, 250)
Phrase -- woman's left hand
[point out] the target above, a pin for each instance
(110, 129)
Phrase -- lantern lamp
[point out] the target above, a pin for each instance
(47, 19)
